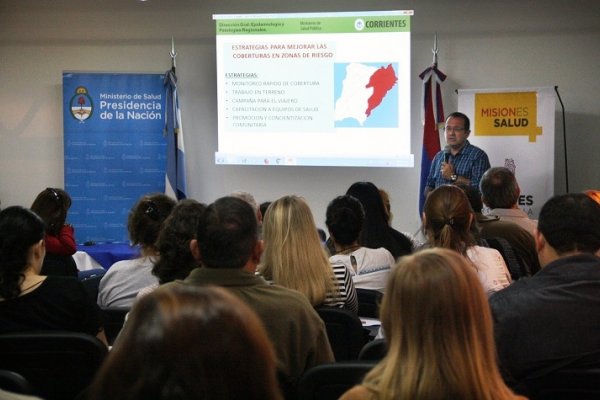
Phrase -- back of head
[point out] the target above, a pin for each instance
(448, 217)
(186, 342)
(52, 204)
(571, 223)
(146, 218)
(248, 198)
(376, 231)
(294, 256)
(385, 197)
(370, 198)
(227, 233)
(439, 329)
(173, 243)
(474, 196)
(499, 188)
(20, 229)
(344, 219)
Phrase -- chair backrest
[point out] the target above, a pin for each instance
(580, 384)
(330, 381)
(368, 302)
(58, 365)
(375, 350)
(13, 382)
(113, 320)
(345, 332)
(91, 281)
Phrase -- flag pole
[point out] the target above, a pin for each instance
(434, 50)
(173, 54)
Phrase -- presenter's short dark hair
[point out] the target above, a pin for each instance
(344, 219)
(227, 233)
(464, 117)
(571, 222)
(499, 188)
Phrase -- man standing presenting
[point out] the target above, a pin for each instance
(459, 161)
(551, 321)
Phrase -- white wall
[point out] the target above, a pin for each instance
(482, 44)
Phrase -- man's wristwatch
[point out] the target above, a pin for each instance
(453, 178)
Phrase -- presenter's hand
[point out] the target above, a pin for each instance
(447, 170)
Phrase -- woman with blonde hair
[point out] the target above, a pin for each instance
(440, 338)
(295, 258)
(447, 219)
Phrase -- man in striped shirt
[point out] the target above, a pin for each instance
(459, 161)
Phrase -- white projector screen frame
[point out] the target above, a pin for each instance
(315, 89)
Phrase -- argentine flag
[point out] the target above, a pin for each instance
(175, 171)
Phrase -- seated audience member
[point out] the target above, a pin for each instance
(263, 207)
(551, 320)
(594, 195)
(229, 250)
(294, 257)
(52, 206)
(30, 301)
(387, 205)
(440, 338)
(385, 197)
(369, 267)
(189, 343)
(249, 198)
(500, 192)
(490, 229)
(173, 244)
(447, 219)
(124, 279)
(376, 231)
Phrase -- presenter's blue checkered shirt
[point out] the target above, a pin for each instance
(470, 162)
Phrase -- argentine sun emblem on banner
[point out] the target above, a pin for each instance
(515, 127)
(81, 104)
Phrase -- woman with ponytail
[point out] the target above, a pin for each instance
(447, 219)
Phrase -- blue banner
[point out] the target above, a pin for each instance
(114, 148)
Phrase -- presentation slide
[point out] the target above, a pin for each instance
(314, 89)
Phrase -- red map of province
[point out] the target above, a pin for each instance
(381, 81)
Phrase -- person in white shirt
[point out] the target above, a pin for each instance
(124, 279)
(370, 268)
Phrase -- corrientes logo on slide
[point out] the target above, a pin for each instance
(81, 104)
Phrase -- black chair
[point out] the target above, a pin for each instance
(13, 382)
(373, 351)
(91, 281)
(345, 332)
(368, 302)
(580, 384)
(330, 381)
(113, 320)
(58, 365)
